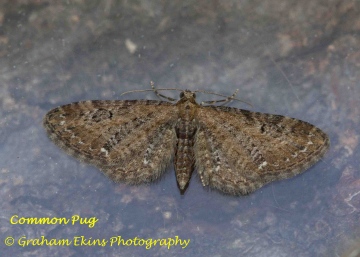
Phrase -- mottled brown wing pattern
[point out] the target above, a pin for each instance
(127, 140)
(238, 151)
(235, 151)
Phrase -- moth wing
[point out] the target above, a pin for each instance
(238, 151)
(130, 141)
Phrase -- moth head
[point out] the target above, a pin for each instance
(187, 94)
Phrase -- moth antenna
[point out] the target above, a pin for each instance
(226, 100)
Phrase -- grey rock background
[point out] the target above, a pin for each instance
(295, 58)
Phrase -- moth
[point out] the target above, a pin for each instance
(233, 150)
